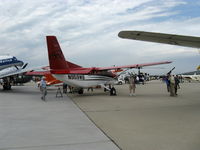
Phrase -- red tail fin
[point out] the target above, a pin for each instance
(56, 58)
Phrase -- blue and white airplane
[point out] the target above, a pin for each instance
(7, 61)
(10, 66)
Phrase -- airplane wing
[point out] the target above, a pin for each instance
(135, 65)
(37, 73)
(14, 71)
(173, 39)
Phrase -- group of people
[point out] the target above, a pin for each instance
(140, 78)
(43, 88)
(172, 82)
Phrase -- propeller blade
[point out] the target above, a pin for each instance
(171, 70)
(25, 66)
(16, 67)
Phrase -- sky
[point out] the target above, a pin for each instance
(88, 31)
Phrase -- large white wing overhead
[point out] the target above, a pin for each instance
(173, 39)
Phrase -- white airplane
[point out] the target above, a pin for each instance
(9, 67)
(189, 78)
(79, 77)
(173, 39)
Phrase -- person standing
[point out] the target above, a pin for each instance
(132, 80)
(177, 86)
(65, 88)
(43, 88)
(172, 85)
(167, 82)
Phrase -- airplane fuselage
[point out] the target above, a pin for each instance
(191, 77)
(9, 61)
(84, 81)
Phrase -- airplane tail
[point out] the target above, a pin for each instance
(56, 58)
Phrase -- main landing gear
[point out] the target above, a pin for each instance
(112, 90)
(6, 84)
(80, 91)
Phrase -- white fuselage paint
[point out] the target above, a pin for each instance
(191, 77)
(9, 70)
(9, 65)
(84, 81)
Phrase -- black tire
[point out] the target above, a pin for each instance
(80, 91)
(113, 92)
(7, 87)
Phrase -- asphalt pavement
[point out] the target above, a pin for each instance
(151, 120)
(27, 122)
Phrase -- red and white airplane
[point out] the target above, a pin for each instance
(80, 77)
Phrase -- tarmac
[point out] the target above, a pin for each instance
(151, 120)
(96, 121)
(27, 122)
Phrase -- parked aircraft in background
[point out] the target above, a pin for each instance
(79, 77)
(189, 78)
(50, 80)
(7, 61)
(173, 39)
(10, 68)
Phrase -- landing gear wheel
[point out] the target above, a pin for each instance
(80, 91)
(7, 87)
(113, 92)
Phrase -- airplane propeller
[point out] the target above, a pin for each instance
(171, 71)
(16, 67)
(25, 66)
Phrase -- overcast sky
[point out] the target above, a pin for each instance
(88, 31)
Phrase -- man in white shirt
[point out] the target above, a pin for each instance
(43, 88)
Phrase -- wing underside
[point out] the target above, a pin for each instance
(173, 39)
